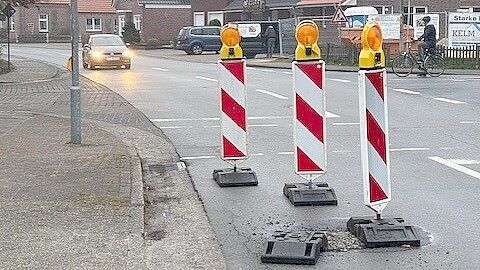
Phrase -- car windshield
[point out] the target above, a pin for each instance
(107, 41)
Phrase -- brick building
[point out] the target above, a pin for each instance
(48, 20)
(263, 10)
(204, 11)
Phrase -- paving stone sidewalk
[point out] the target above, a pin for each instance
(83, 207)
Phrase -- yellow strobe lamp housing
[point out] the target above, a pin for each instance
(372, 55)
(230, 37)
(307, 35)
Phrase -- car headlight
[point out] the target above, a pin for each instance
(127, 53)
(96, 54)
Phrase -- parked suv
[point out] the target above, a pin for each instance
(197, 39)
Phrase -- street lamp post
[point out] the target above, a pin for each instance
(75, 97)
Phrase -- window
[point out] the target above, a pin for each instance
(43, 23)
(137, 20)
(121, 24)
(199, 18)
(196, 31)
(211, 31)
(413, 10)
(94, 24)
(384, 9)
(476, 9)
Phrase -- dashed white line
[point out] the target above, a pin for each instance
(263, 125)
(410, 149)
(345, 124)
(186, 119)
(206, 79)
(162, 69)
(340, 80)
(251, 68)
(450, 100)
(464, 161)
(468, 122)
(199, 157)
(405, 91)
(173, 127)
(287, 72)
(257, 155)
(331, 115)
(267, 70)
(457, 167)
(271, 94)
(285, 153)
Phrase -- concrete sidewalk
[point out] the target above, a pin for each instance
(121, 200)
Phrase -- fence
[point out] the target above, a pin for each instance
(464, 57)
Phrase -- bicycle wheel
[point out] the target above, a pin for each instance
(402, 65)
(434, 65)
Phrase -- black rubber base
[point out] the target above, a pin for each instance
(231, 178)
(376, 233)
(302, 194)
(295, 248)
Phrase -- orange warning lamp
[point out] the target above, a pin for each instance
(307, 35)
(372, 55)
(230, 37)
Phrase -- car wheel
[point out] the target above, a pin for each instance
(197, 49)
(85, 65)
(189, 52)
(250, 56)
(128, 66)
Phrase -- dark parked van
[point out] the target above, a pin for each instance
(197, 39)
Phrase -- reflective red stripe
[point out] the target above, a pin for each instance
(234, 110)
(377, 81)
(230, 151)
(376, 191)
(376, 136)
(305, 164)
(236, 68)
(313, 71)
(309, 118)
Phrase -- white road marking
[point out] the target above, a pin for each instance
(271, 94)
(186, 119)
(331, 115)
(457, 80)
(464, 161)
(181, 166)
(162, 69)
(267, 70)
(341, 151)
(211, 127)
(405, 91)
(257, 155)
(286, 153)
(199, 157)
(264, 125)
(340, 80)
(409, 149)
(173, 127)
(251, 68)
(457, 167)
(287, 72)
(345, 124)
(468, 122)
(450, 100)
(207, 79)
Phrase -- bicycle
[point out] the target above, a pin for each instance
(433, 65)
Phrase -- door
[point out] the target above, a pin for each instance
(212, 38)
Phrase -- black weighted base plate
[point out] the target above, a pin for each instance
(392, 232)
(302, 194)
(231, 178)
(295, 247)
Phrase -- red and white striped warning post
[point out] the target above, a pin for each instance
(374, 138)
(233, 110)
(309, 123)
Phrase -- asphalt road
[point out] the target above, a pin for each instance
(435, 163)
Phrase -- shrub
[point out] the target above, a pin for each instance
(130, 33)
(152, 43)
(215, 22)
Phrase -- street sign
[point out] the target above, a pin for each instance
(8, 11)
(339, 16)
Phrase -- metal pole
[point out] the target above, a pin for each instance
(408, 13)
(8, 42)
(75, 108)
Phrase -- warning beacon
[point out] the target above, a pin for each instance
(309, 120)
(375, 150)
(233, 111)
(307, 35)
(230, 37)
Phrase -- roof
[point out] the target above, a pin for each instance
(238, 4)
(319, 2)
(85, 6)
(164, 2)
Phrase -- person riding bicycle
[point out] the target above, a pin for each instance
(428, 40)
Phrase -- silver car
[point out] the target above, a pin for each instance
(106, 50)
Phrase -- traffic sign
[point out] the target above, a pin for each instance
(339, 16)
(8, 11)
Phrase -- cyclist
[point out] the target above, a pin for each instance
(428, 40)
